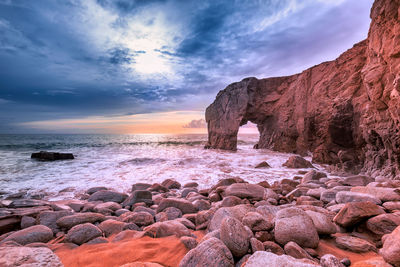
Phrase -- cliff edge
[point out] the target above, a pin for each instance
(346, 111)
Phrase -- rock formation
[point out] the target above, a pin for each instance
(346, 111)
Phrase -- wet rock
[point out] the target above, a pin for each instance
(186, 191)
(82, 233)
(295, 251)
(49, 219)
(110, 227)
(257, 222)
(141, 218)
(28, 257)
(139, 196)
(242, 190)
(234, 236)
(262, 164)
(107, 205)
(263, 258)
(211, 252)
(72, 220)
(230, 201)
(189, 242)
(26, 203)
(273, 247)
(93, 190)
(36, 233)
(322, 223)
(355, 212)
(256, 245)
(313, 175)
(382, 193)
(158, 188)
(191, 184)
(27, 221)
(167, 228)
(140, 186)
(354, 244)
(329, 260)
(171, 184)
(358, 180)
(108, 195)
(182, 204)
(51, 156)
(391, 247)
(344, 197)
(293, 224)
(384, 223)
(297, 162)
(237, 212)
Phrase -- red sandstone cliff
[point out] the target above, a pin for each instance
(346, 111)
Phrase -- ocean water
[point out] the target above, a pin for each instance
(118, 161)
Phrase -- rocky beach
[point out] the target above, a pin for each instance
(334, 201)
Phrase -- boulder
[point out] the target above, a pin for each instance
(110, 227)
(358, 180)
(80, 234)
(322, 223)
(230, 201)
(51, 156)
(27, 203)
(187, 190)
(329, 260)
(93, 190)
(98, 240)
(263, 258)
(108, 195)
(382, 193)
(28, 257)
(354, 244)
(346, 196)
(384, 223)
(293, 224)
(189, 242)
(182, 204)
(36, 233)
(27, 221)
(273, 247)
(141, 218)
(171, 184)
(256, 222)
(145, 209)
(167, 228)
(295, 251)
(256, 245)
(234, 236)
(113, 206)
(173, 213)
(139, 196)
(262, 164)
(140, 186)
(355, 212)
(313, 175)
(242, 190)
(80, 218)
(391, 247)
(297, 162)
(49, 219)
(392, 205)
(191, 184)
(211, 252)
(237, 212)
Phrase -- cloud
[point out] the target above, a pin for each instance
(201, 123)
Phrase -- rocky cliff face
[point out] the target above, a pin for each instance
(346, 112)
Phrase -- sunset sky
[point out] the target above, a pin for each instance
(125, 66)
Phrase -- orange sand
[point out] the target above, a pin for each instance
(167, 251)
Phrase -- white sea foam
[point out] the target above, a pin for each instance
(118, 161)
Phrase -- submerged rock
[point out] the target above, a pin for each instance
(51, 156)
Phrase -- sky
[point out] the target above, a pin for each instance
(153, 66)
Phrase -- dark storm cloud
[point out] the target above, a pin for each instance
(70, 59)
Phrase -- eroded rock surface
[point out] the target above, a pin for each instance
(346, 111)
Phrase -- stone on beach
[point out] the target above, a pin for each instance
(182, 204)
(234, 236)
(329, 260)
(391, 247)
(297, 162)
(384, 223)
(110, 227)
(211, 252)
(108, 195)
(322, 223)
(237, 212)
(293, 224)
(80, 218)
(346, 196)
(354, 244)
(28, 257)
(171, 184)
(295, 251)
(138, 196)
(355, 212)
(382, 193)
(140, 218)
(49, 219)
(167, 228)
(36, 233)
(243, 190)
(264, 258)
(93, 190)
(82, 233)
(257, 222)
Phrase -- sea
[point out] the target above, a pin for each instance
(118, 161)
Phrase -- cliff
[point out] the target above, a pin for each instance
(346, 112)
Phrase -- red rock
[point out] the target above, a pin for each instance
(234, 236)
(110, 227)
(273, 247)
(167, 228)
(242, 190)
(108, 195)
(26, 256)
(182, 204)
(171, 184)
(294, 250)
(391, 247)
(72, 220)
(354, 244)
(384, 223)
(257, 222)
(139, 218)
(36, 233)
(80, 234)
(355, 212)
(297, 162)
